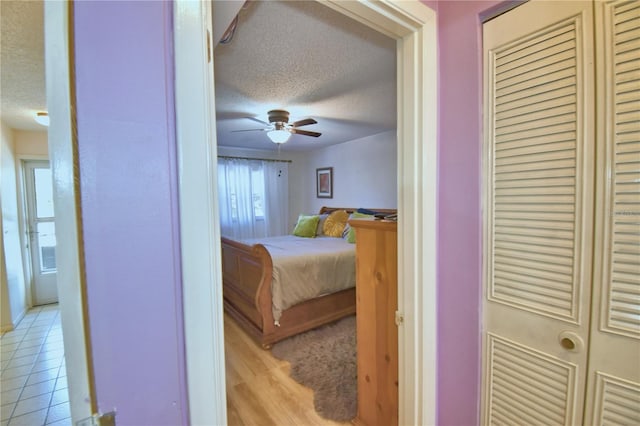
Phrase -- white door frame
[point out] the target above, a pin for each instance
(23, 226)
(413, 25)
(64, 165)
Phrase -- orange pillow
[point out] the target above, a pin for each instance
(335, 223)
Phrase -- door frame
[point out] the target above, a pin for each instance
(23, 221)
(63, 159)
(414, 26)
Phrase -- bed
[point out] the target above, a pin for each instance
(252, 299)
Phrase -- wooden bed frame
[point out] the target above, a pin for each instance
(246, 277)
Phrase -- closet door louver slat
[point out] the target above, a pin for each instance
(535, 172)
(617, 402)
(527, 387)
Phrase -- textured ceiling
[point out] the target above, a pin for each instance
(22, 81)
(295, 55)
(312, 61)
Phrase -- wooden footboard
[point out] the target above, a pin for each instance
(246, 279)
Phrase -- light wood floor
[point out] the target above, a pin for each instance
(259, 389)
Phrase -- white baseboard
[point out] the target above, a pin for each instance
(14, 323)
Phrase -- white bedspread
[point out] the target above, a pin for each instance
(305, 268)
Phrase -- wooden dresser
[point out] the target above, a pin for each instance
(377, 333)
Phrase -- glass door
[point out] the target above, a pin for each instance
(41, 229)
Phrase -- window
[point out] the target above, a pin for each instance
(254, 186)
(257, 188)
(253, 197)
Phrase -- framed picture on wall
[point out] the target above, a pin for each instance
(324, 182)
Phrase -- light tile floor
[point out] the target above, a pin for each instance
(33, 373)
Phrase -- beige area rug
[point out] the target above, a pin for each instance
(324, 359)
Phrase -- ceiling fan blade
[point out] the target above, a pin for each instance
(304, 122)
(305, 133)
(249, 130)
(259, 121)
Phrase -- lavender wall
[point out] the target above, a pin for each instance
(459, 210)
(128, 187)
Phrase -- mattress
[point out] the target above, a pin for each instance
(306, 268)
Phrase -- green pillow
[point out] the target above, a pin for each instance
(350, 233)
(306, 226)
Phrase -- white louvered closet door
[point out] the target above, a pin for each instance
(614, 354)
(552, 355)
(539, 174)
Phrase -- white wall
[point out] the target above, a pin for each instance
(14, 286)
(30, 144)
(6, 323)
(364, 173)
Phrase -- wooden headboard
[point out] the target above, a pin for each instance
(325, 209)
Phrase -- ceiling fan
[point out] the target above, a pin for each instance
(278, 128)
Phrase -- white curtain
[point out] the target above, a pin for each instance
(276, 190)
(236, 206)
(253, 198)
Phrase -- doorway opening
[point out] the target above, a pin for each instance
(363, 162)
(413, 25)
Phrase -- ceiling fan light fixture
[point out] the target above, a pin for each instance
(42, 118)
(279, 136)
(278, 128)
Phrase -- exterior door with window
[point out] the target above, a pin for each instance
(41, 232)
